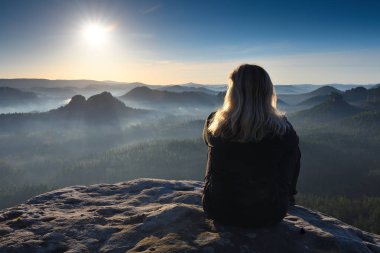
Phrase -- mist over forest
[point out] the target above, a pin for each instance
(56, 133)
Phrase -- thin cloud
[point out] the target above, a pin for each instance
(151, 9)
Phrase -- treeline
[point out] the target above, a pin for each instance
(337, 160)
(16, 194)
(174, 159)
(330, 165)
(361, 212)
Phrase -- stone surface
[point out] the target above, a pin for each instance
(150, 215)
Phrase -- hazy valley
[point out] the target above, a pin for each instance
(61, 133)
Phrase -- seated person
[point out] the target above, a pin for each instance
(253, 154)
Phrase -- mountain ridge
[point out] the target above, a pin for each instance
(148, 96)
(335, 107)
(99, 107)
(102, 109)
(12, 96)
(294, 99)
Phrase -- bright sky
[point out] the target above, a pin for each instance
(174, 41)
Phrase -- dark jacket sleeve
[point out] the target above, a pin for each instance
(205, 133)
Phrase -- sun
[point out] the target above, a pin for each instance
(96, 34)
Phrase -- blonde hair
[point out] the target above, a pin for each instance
(249, 109)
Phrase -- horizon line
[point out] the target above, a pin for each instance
(173, 84)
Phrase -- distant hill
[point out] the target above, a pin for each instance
(57, 92)
(294, 99)
(100, 107)
(99, 110)
(314, 100)
(295, 88)
(182, 88)
(344, 87)
(374, 94)
(324, 90)
(146, 96)
(116, 89)
(85, 87)
(12, 97)
(356, 94)
(334, 108)
(363, 97)
(214, 87)
(305, 88)
(27, 83)
(359, 96)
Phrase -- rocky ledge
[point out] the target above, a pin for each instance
(150, 215)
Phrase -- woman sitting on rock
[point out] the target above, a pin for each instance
(253, 154)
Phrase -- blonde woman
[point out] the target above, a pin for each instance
(253, 154)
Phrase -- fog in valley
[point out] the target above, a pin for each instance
(60, 133)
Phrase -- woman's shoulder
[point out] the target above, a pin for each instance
(290, 134)
(210, 117)
(206, 133)
(287, 136)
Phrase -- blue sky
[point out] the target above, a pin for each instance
(178, 41)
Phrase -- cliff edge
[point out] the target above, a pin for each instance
(151, 215)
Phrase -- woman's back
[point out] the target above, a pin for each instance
(249, 183)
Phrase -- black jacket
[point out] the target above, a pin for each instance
(250, 184)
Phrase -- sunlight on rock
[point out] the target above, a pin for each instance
(151, 218)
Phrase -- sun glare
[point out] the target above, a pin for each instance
(96, 34)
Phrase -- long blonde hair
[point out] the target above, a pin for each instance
(249, 109)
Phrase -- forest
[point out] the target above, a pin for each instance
(340, 166)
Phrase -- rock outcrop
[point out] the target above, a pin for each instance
(150, 215)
